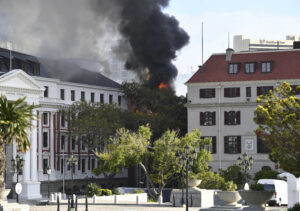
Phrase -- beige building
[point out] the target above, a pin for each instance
(243, 43)
(222, 99)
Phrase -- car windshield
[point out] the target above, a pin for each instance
(268, 187)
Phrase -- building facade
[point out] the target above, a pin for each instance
(51, 141)
(222, 98)
(243, 43)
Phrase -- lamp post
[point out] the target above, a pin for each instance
(245, 163)
(72, 162)
(48, 172)
(17, 166)
(186, 159)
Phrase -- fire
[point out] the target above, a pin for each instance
(163, 85)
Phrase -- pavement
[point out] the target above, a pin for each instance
(132, 207)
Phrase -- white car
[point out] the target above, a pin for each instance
(280, 188)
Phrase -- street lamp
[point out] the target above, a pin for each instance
(186, 158)
(72, 162)
(245, 163)
(17, 166)
(48, 172)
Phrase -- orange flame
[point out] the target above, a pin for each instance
(163, 85)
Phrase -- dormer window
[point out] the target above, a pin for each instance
(249, 68)
(233, 68)
(266, 67)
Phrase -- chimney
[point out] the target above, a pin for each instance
(229, 52)
(296, 45)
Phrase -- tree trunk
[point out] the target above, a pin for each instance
(2, 166)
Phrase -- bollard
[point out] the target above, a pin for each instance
(76, 203)
(55, 196)
(94, 199)
(116, 199)
(137, 199)
(52, 197)
(59, 195)
(173, 200)
(58, 208)
(69, 208)
(86, 203)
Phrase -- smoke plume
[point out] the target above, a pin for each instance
(135, 32)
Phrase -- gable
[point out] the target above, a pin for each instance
(19, 79)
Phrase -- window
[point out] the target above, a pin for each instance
(232, 92)
(83, 146)
(82, 97)
(92, 97)
(62, 143)
(119, 100)
(62, 120)
(208, 118)
(101, 98)
(233, 68)
(45, 166)
(248, 91)
(266, 67)
(295, 90)
(62, 94)
(213, 147)
(45, 139)
(261, 146)
(46, 91)
(83, 165)
(207, 93)
(232, 117)
(73, 144)
(249, 68)
(263, 90)
(72, 95)
(93, 164)
(45, 118)
(110, 99)
(232, 144)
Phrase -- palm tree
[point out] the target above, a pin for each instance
(15, 120)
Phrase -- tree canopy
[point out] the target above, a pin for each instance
(278, 119)
(158, 161)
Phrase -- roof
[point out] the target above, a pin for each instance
(62, 70)
(285, 65)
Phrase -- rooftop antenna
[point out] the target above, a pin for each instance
(202, 43)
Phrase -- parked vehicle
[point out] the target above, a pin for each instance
(280, 188)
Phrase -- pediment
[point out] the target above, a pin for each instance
(19, 79)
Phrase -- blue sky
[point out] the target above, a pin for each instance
(264, 19)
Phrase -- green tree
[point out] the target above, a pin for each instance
(15, 119)
(278, 119)
(233, 173)
(158, 161)
(266, 174)
(94, 123)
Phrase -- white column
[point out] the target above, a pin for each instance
(51, 141)
(40, 142)
(33, 151)
(26, 168)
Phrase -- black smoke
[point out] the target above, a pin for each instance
(154, 38)
(136, 32)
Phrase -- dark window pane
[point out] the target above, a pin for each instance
(207, 93)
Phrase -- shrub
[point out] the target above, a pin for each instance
(93, 189)
(106, 192)
(116, 191)
(210, 180)
(296, 207)
(256, 187)
(266, 174)
(139, 191)
(233, 173)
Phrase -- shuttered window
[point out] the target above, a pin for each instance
(232, 117)
(213, 147)
(262, 147)
(232, 144)
(208, 118)
(263, 90)
(207, 93)
(232, 92)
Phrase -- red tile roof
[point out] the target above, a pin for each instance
(285, 65)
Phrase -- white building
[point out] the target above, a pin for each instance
(222, 99)
(51, 142)
(243, 43)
